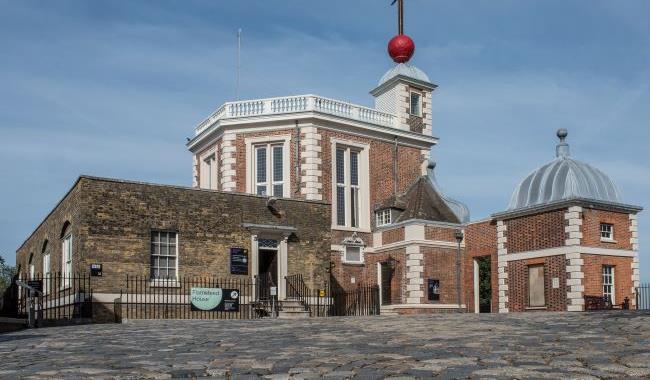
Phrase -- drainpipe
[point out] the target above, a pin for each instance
(395, 155)
(297, 161)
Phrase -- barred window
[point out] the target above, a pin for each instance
(606, 231)
(164, 255)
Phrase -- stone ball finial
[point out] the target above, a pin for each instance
(562, 133)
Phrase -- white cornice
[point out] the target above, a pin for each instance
(337, 123)
(566, 250)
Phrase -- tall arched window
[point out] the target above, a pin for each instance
(66, 255)
(45, 252)
(32, 269)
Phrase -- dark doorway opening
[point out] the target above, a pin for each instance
(484, 284)
(386, 280)
(268, 271)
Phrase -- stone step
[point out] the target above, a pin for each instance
(284, 314)
(387, 311)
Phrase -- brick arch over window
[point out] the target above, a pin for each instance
(31, 258)
(65, 229)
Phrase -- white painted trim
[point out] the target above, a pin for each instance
(567, 250)
(424, 306)
(476, 287)
(364, 184)
(379, 283)
(286, 162)
(423, 243)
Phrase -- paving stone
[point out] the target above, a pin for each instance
(537, 346)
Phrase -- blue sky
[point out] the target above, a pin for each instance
(113, 88)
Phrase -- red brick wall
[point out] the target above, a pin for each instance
(440, 233)
(440, 264)
(480, 241)
(593, 280)
(381, 166)
(392, 236)
(554, 266)
(240, 166)
(591, 228)
(534, 232)
(366, 273)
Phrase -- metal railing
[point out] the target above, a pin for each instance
(643, 297)
(144, 298)
(54, 297)
(330, 301)
(301, 103)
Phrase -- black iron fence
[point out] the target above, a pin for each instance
(643, 297)
(329, 301)
(56, 297)
(144, 298)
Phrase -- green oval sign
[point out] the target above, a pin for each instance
(206, 298)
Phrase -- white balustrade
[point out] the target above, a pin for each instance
(291, 104)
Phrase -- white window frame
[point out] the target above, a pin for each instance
(46, 272)
(384, 217)
(603, 231)
(209, 178)
(609, 282)
(66, 261)
(164, 281)
(419, 94)
(344, 257)
(32, 271)
(363, 185)
(251, 161)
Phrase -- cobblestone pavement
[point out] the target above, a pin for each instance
(539, 345)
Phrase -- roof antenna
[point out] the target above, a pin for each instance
(238, 59)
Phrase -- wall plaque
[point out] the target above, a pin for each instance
(214, 299)
(238, 260)
(96, 270)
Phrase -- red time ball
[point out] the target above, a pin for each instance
(401, 48)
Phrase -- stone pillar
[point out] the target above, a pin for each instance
(414, 275)
(310, 164)
(283, 262)
(574, 262)
(634, 241)
(502, 265)
(228, 162)
(195, 170)
(428, 121)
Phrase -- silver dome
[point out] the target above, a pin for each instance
(562, 179)
(406, 70)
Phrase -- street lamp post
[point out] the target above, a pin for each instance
(459, 238)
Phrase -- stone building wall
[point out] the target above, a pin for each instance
(112, 221)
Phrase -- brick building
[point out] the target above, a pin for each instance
(356, 186)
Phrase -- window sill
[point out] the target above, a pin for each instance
(351, 229)
(164, 284)
(611, 241)
(535, 308)
(353, 263)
